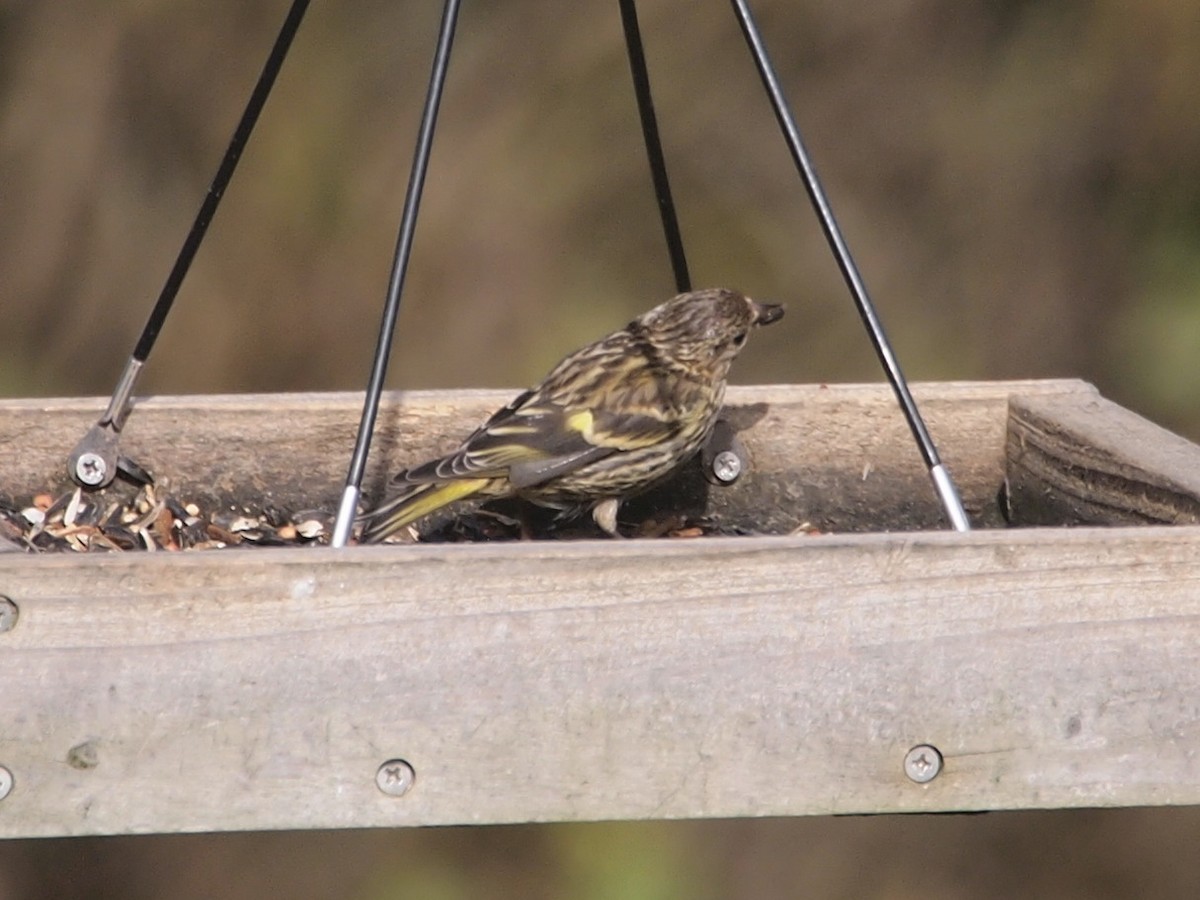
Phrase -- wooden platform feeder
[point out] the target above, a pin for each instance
(883, 665)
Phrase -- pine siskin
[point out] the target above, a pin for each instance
(609, 421)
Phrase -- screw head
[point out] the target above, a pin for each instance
(6, 782)
(923, 763)
(395, 777)
(91, 468)
(727, 466)
(8, 614)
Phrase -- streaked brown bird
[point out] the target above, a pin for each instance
(608, 422)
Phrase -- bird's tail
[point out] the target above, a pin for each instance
(420, 500)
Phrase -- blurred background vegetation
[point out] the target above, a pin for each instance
(1019, 181)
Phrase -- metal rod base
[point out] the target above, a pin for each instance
(344, 523)
(948, 494)
(120, 404)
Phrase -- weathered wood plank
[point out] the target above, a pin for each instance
(615, 679)
(592, 680)
(1087, 461)
(838, 456)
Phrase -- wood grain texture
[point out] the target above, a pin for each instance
(594, 680)
(768, 675)
(1087, 461)
(838, 456)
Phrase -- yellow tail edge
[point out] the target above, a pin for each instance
(406, 509)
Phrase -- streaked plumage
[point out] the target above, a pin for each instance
(609, 421)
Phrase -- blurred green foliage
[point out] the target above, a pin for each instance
(629, 860)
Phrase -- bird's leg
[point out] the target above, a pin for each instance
(526, 526)
(605, 514)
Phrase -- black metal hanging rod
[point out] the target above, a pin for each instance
(943, 484)
(95, 461)
(654, 151)
(348, 506)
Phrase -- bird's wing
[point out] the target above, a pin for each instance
(562, 440)
(543, 435)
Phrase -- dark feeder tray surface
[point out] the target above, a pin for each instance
(257, 471)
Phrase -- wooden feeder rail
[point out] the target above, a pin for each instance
(634, 679)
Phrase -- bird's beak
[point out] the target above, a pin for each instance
(766, 313)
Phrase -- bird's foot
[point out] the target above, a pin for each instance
(605, 514)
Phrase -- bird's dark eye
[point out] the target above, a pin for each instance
(739, 338)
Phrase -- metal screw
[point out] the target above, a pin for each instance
(83, 756)
(923, 763)
(6, 782)
(8, 614)
(727, 466)
(91, 468)
(395, 777)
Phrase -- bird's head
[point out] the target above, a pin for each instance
(705, 327)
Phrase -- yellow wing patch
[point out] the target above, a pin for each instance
(582, 422)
